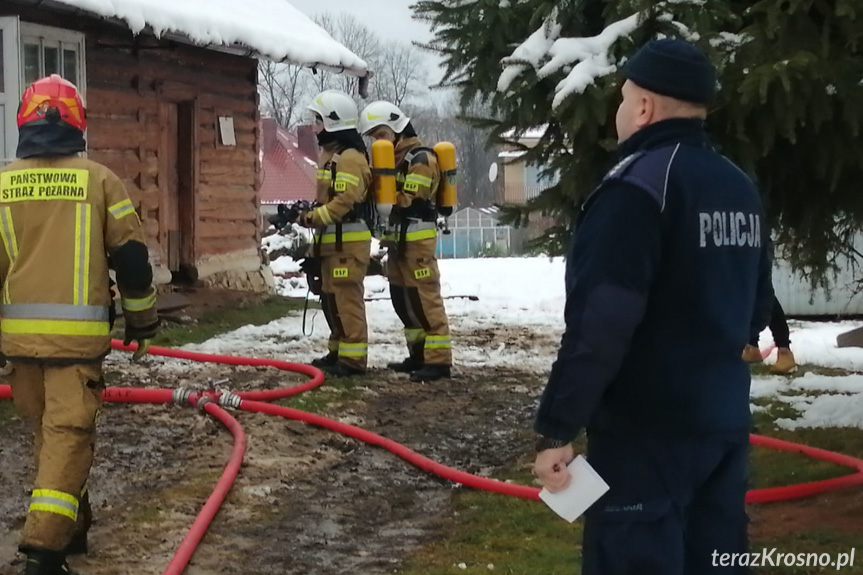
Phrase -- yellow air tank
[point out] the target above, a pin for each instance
(384, 170)
(447, 197)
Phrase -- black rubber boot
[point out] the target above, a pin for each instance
(342, 370)
(431, 372)
(41, 562)
(407, 365)
(328, 360)
(78, 544)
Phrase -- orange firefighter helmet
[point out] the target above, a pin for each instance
(52, 92)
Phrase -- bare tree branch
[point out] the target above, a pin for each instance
(399, 71)
(281, 88)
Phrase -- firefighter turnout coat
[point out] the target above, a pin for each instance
(61, 219)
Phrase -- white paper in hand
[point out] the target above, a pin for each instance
(584, 489)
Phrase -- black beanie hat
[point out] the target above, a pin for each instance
(673, 68)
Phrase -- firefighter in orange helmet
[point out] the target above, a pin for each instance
(64, 220)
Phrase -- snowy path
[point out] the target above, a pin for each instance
(517, 323)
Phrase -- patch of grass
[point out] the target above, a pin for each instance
(7, 412)
(522, 537)
(147, 513)
(217, 322)
(517, 536)
(812, 541)
(189, 490)
(334, 391)
(847, 440)
(763, 370)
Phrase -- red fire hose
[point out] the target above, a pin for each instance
(253, 401)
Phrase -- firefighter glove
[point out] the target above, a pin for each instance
(142, 335)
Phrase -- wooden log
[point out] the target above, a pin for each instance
(242, 122)
(227, 106)
(241, 173)
(234, 155)
(106, 101)
(123, 135)
(228, 211)
(244, 139)
(151, 228)
(219, 192)
(126, 164)
(210, 229)
(219, 246)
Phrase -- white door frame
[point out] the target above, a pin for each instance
(9, 97)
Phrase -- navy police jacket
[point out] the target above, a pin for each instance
(667, 274)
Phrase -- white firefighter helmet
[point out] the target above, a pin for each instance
(382, 113)
(337, 109)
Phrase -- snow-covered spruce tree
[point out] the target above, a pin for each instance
(789, 108)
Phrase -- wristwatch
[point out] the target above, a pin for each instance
(543, 443)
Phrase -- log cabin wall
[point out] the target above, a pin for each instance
(153, 111)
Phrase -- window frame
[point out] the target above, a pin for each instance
(31, 33)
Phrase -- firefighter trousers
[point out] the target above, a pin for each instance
(343, 303)
(60, 403)
(415, 290)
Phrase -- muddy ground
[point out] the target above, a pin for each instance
(307, 501)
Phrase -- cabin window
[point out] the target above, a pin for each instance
(47, 51)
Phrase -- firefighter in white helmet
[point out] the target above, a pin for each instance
(412, 267)
(342, 234)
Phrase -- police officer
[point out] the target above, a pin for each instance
(63, 220)
(342, 233)
(411, 241)
(667, 275)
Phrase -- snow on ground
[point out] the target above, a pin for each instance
(815, 343)
(516, 322)
(512, 293)
(823, 401)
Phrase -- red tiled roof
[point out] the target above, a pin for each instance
(288, 173)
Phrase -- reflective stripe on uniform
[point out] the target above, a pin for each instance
(353, 349)
(54, 311)
(437, 342)
(10, 243)
(349, 178)
(353, 232)
(324, 215)
(352, 227)
(54, 327)
(418, 179)
(347, 237)
(122, 209)
(8, 232)
(324, 174)
(139, 304)
(415, 232)
(56, 502)
(414, 335)
(81, 286)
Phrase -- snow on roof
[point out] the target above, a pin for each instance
(268, 29)
(511, 154)
(533, 133)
